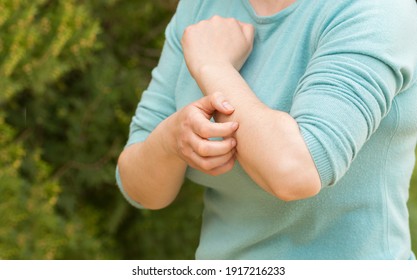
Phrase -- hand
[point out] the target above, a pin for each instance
(217, 41)
(192, 128)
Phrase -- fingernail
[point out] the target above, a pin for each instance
(234, 125)
(227, 106)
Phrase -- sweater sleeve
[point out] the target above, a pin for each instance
(158, 100)
(364, 57)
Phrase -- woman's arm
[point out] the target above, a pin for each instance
(149, 173)
(355, 72)
(162, 142)
(152, 171)
(270, 146)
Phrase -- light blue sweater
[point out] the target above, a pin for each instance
(346, 71)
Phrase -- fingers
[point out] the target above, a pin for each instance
(206, 129)
(213, 165)
(201, 124)
(247, 28)
(208, 156)
(223, 168)
(212, 157)
(212, 148)
(195, 129)
(215, 102)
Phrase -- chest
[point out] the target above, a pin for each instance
(273, 70)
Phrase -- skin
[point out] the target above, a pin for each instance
(278, 160)
(153, 171)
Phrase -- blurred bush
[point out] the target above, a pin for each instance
(72, 73)
(41, 42)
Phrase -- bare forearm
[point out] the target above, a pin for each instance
(150, 174)
(270, 146)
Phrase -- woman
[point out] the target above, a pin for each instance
(312, 148)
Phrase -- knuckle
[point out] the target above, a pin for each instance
(187, 124)
(185, 34)
(204, 132)
(206, 165)
(185, 113)
(229, 166)
(249, 26)
(183, 150)
(182, 139)
(194, 165)
(189, 120)
(202, 149)
(221, 170)
(189, 29)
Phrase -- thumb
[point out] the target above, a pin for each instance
(221, 104)
(215, 102)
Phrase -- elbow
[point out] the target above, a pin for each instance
(296, 192)
(135, 188)
(155, 206)
(296, 183)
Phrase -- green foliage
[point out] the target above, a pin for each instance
(40, 41)
(41, 44)
(69, 93)
(72, 72)
(30, 228)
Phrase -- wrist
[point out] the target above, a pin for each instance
(214, 68)
(167, 136)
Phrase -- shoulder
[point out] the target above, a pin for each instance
(385, 30)
(385, 22)
(393, 20)
(188, 9)
(393, 16)
(183, 17)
